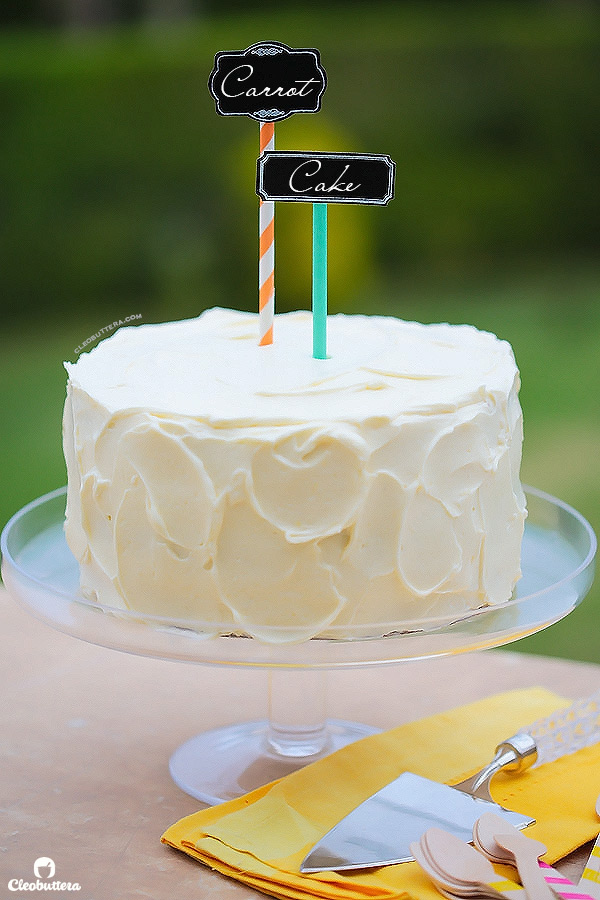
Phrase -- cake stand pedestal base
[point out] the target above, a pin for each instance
(226, 762)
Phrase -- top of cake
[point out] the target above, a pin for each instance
(211, 366)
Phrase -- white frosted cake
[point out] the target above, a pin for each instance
(257, 490)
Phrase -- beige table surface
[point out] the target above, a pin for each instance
(86, 735)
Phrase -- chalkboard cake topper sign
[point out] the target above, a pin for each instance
(320, 179)
(326, 177)
(268, 82)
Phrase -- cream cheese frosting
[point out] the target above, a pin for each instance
(258, 490)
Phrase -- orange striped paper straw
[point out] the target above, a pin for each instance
(266, 264)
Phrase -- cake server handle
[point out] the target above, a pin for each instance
(565, 731)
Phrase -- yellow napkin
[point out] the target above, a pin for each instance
(261, 838)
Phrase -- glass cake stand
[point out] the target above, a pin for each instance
(40, 572)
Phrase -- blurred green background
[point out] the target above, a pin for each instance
(123, 193)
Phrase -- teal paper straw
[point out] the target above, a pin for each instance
(319, 281)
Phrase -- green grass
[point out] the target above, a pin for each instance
(551, 317)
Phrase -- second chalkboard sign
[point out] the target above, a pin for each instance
(326, 177)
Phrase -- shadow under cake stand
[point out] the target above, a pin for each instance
(40, 572)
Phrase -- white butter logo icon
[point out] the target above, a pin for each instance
(44, 867)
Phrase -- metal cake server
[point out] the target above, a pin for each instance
(380, 830)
